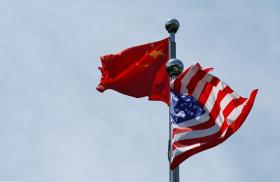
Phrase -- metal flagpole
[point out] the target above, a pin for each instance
(174, 69)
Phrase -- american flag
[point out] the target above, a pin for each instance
(204, 112)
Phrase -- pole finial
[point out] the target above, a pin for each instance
(174, 67)
(172, 25)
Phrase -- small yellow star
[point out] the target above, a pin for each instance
(156, 53)
(145, 65)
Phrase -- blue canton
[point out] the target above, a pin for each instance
(184, 108)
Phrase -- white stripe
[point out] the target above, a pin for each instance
(181, 150)
(172, 84)
(221, 85)
(196, 133)
(186, 79)
(200, 85)
(235, 113)
(224, 132)
(227, 99)
(211, 102)
(220, 118)
(224, 102)
(211, 99)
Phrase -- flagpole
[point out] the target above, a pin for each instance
(174, 68)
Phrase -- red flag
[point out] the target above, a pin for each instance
(137, 71)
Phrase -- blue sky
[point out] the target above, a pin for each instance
(54, 125)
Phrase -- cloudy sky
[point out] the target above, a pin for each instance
(55, 127)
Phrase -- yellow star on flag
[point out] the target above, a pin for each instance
(145, 65)
(156, 53)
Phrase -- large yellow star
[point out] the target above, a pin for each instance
(156, 53)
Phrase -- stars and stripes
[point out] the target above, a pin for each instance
(204, 112)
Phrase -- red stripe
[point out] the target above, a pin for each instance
(208, 69)
(180, 158)
(205, 94)
(177, 81)
(214, 81)
(194, 81)
(231, 105)
(243, 115)
(217, 107)
(212, 137)
(208, 124)
(188, 142)
(228, 90)
(207, 90)
(198, 65)
(176, 131)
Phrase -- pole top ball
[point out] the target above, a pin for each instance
(172, 25)
(174, 67)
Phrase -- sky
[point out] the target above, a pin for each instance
(55, 127)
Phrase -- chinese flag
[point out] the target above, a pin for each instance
(137, 71)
